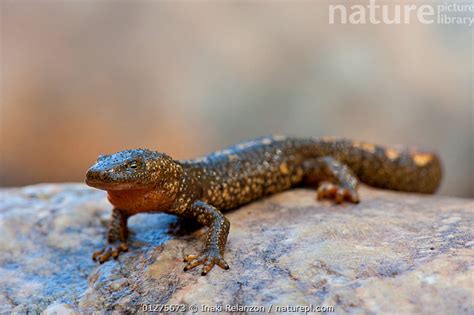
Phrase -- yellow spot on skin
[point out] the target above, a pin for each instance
(365, 146)
(284, 169)
(368, 147)
(421, 159)
(233, 157)
(392, 154)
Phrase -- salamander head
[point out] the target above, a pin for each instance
(132, 169)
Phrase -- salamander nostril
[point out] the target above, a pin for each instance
(93, 174)
(90, 174)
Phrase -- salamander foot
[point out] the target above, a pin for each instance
(208, 259)
(338, 193)
(111, 250)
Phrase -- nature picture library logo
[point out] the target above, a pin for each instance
(394, 12)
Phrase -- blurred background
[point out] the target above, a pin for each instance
(81, 78)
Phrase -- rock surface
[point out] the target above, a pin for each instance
(392, 253)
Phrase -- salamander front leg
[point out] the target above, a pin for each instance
(335, 180)
(216, 239)
(116, 238)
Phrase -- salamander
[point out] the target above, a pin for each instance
(202, 189)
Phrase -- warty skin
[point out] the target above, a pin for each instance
(141, 180)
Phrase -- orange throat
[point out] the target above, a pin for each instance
(140, 200)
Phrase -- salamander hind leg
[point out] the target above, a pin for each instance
(116, 238)
(335, 180)
(216, 239)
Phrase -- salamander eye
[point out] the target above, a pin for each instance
(133, 165)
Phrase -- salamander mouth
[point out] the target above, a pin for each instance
(111, 185)
(101, 180)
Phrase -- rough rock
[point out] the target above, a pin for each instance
(392, 253)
